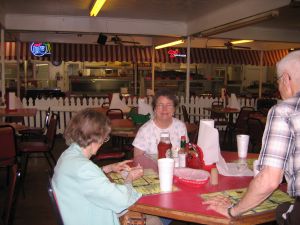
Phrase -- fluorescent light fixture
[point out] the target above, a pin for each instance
(241, 42)
(96, 7)
(170, 44)
(240, 23)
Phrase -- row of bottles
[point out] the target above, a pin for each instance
(187, 155)
(165, 149)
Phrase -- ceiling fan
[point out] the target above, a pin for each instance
(118, 41)
(229, 45)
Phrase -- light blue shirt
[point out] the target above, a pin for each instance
(85, 195)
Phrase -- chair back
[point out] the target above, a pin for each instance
(122, 123)
(264, 104)
(105, 104)
(47, 118)
(51, 131)
(192, 130)
(218, 117)
(114, 114)
(217, 104)
(54, 203)
(186, 117)
(255, 131)
(241, 121)
(15, 119)
(8, 145)
(11, 197)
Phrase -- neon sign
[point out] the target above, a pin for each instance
(40, 48)
(175, 53)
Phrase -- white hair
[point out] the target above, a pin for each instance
(290, 64)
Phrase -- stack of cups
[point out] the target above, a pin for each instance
(166, 171)
(242, 145)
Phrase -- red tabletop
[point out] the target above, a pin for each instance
(186, 204)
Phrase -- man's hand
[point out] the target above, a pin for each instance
(219, 204)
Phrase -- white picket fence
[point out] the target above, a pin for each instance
(67, 107)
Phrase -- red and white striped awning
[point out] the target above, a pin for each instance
(121, 53)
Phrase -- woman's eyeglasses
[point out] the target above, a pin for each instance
(278, 78)
(106, 139)
(168, 106)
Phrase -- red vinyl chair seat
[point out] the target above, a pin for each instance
(110, 155)
(33, 147)
(7, 162)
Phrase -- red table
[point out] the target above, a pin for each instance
(186, 204)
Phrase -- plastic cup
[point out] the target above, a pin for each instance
(166, 170)
(242, 145)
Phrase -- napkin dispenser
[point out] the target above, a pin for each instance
(194, 157)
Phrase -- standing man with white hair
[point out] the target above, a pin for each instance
(279, 154)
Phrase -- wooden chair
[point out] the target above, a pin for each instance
(115, 114)
(117, 151)
(37, 132)
(264, 104)
(15, 119)
(219, 118)
(240, 126)
(192, 130)
(255, 131)
(185, 113)
(54, 203)
(105, 104)
(11, 196)
(27, 148)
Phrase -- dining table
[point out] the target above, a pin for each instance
(18, 127)
(227, 111)
(186, 203)
(18, 112)
(17, 115)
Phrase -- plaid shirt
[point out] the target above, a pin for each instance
(279, 147)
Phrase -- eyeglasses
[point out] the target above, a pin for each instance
(168, 106)
(279, 77)
(106, 139)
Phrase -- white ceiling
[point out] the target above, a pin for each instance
(147, 21)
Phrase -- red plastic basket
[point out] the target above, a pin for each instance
(191, 177)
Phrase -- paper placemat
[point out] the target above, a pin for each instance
(269, 204)
(146, 185)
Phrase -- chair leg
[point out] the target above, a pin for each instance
(48, 160)
(24, 163)
(7, 175)
(225, 136)
(53, 158)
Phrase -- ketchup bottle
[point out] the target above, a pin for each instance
(164, 146)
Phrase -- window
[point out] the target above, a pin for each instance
(42, 75)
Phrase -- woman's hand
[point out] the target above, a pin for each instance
(117, 167)
(134, 173)
(219, 204)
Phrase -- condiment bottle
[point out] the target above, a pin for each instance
(164, 146)
(182, 152)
